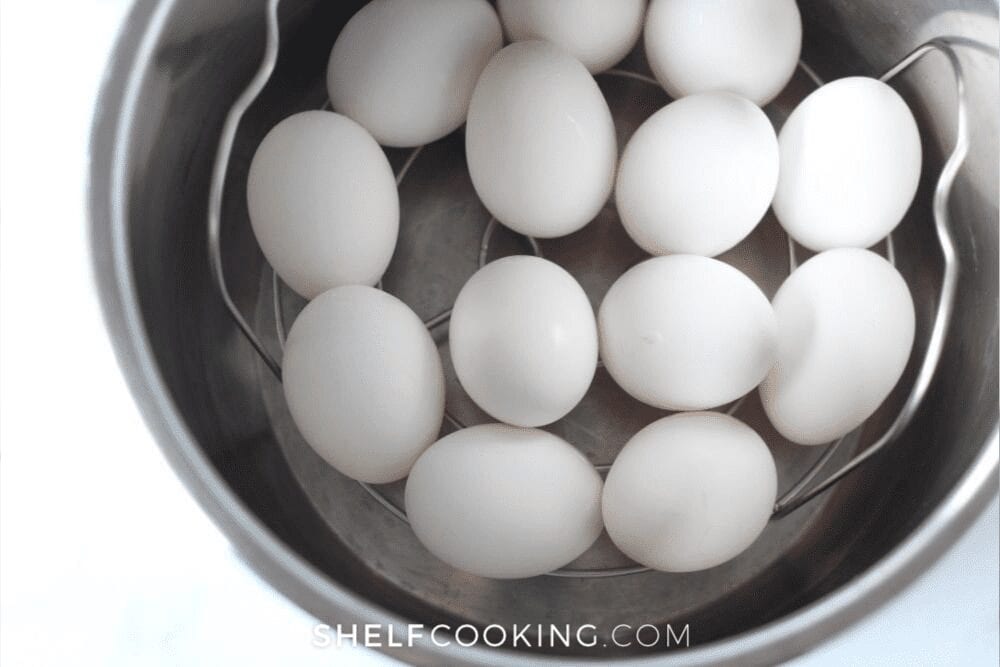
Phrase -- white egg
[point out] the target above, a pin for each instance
(323, 203)
(750, 48)
(698, 175)
(523, 340)
(363, 382)
(689, 492)
(845, 332)
(686, 332)
(504, 502)
(598, 33)
(540, 142)
(405, 70)
(850, 165)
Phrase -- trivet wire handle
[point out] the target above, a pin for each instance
(798, 495)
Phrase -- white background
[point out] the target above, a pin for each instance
(105, 559)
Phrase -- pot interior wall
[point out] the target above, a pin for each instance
(203, 59)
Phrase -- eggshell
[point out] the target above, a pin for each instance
(523, 340)
(749, 48)
(850, 165)
(363, 382)
(405, 70)
(323, 204)
(504, 502)
(685, 332)
(689, 492)
(845, 332)
(598, 33)
(698, 175)
(540, 142)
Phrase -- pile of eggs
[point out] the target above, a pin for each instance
(680, 331)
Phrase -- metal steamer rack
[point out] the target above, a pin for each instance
(805, 489)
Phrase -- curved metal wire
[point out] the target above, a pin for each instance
(949, 282)
(484, 244)
(626, 74)
(811, 73)
(406, 165)
(219, 171)
(279, 311)
(834, 447)
(382, 500)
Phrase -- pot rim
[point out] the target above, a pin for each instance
(308, 587)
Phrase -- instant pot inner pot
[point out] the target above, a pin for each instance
(234, 406)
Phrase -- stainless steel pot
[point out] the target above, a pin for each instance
(319, 539)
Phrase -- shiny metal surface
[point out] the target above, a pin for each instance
(330, 546)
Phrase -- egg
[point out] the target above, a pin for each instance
(323, 203)
(850, 165)
(405, 70)
(539, 141)
(698, 175)
(685, 332)
(845, 332)
(363, 382)
(523, 340)
(689, 492)
(598, 33)
(504, 502)
(748, 48)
